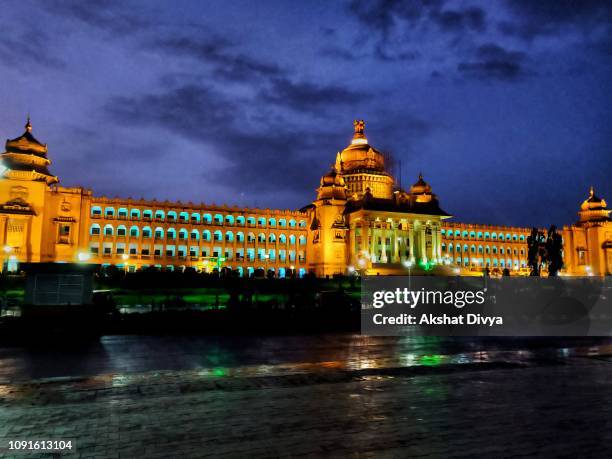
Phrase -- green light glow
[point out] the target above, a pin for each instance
(431, 360)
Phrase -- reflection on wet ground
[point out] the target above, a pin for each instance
(118, 357)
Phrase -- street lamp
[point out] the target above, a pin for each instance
(408, 264)
(7, 249)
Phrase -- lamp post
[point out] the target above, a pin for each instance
(408, 264)
(7, 249)
(125, 258)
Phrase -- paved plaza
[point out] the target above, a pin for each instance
(520, 407)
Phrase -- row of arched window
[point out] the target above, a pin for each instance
(486, 236)
(195, 235)
(491, 262)
(195, 217)
(457, 248)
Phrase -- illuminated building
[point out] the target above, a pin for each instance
(360, 222)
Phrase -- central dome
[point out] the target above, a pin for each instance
(359, 155)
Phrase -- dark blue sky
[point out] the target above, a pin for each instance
(504, 106)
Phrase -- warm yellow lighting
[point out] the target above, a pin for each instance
(7, 249)
(83, 256)
(125, 256)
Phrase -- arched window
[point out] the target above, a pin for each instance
(457, 233)
(500, 236)
(473, 248)
(465, 234)
(240, 220)
(292, 239)
(147, 214)
(302, 240)
(487, 249)
(218, 219)
(508, 237)
(472, 234)
(159, 233)
(458, 248)
(272, 222)
(184, 217)
(292, 223)
(195, 235)
(207, 218)
(182, 234)
(282, 223)
(251, 221)
(109, 212)
(229, 220)
(514, 237)
(94, 229)
(240, 236)
(171, 232)
(206, 235)
(302, 223)
(122, 213)
(195, 217)
(522, 237)
(121, 230)
(172, 216)
(487, 236)
(261, 237)
(494, 250)
(159, 215)
(272, 237)
(261, 222)
(251, 238)
(218, 235)
(494, 237)
(134, 231)
(146, 231)
(229, 236)
(96, 211)
(108, 230)
(479, 249)
(479, 235)
(282, 239)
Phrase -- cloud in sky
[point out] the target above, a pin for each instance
(496, 102)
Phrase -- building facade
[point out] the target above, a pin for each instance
(359, 222)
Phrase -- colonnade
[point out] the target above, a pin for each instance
(395, 241)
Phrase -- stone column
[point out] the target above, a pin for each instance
(365, 236)
(396, 243)
(411, 240)
(422, 244)
(373, 233)
(352, 255)
(383, 245)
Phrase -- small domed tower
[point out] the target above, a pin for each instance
(26, 159)
(327, 246)
(593, 210)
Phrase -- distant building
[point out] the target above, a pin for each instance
(360, 221)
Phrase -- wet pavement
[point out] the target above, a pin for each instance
(332, 395)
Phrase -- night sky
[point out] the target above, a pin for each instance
(504, 106)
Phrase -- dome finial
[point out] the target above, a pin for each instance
(28, 126)
(359, 135)
(591, 192)
(420, 176)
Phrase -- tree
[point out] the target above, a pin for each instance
(545, 250)
(554, 251)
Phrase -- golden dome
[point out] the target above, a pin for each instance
(593, 202)
(359, 154)
(26, 143)
(420, 187)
